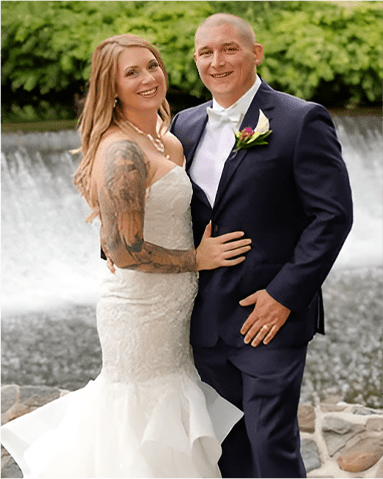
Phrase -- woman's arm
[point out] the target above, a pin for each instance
(122, 207)
(121, 197)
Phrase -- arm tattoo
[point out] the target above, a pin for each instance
(123, 194)
(127, 154)
(122, 205)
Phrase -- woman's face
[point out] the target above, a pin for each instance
(140, 82)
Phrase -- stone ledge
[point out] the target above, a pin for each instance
(339, 440)
(16, 401)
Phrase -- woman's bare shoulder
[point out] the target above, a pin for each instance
(174, 148)
(116, 138)
(111, 135)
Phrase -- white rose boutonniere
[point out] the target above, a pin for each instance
(249, 137)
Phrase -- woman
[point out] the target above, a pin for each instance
(147, 414)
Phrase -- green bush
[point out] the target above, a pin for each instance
(330, 53)
(316, 50)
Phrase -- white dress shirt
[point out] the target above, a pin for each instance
(217, 142)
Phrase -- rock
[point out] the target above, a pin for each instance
(336, 424)
(364, 411)
(375, 424)
(363, 455)
(379, 472)
(11, 470)
(38, 396)
(18, 410)
(8, 397)
(306, 418)
(5, 457)
(337, 432)
(331, 399)
(333, 407)
(332, 404)
(310, 455)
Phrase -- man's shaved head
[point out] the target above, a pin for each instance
(218, 19)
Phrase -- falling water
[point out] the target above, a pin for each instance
(51, 271)
(362, 141)
(50, 256)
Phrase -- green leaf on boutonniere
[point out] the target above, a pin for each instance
(249, 137)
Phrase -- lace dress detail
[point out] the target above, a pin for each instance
(147, 414)
(143, 318)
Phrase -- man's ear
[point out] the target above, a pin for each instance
(258, 53)
(195, 57)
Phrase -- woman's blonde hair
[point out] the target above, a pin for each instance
(100, 111)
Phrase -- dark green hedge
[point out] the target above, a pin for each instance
(316, 50)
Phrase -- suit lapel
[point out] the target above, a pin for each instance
(262, 101)
(196, 129)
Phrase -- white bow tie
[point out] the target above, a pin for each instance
(221, 116)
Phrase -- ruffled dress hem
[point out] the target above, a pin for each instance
(112, 430)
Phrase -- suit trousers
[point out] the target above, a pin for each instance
(265, 383)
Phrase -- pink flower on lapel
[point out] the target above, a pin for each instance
(246, 133)
(249, 137)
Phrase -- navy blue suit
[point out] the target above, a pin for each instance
(292, 198)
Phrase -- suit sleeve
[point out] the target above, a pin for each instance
(173, 124)
(323, 187)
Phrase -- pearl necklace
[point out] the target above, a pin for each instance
(157, 143)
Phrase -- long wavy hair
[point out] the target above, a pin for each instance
(100, 110)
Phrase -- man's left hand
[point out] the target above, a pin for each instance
(266, 319)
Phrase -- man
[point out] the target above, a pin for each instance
(251, 323)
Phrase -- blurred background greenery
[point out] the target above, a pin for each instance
(318, 50)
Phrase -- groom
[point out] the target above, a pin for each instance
(252, 322)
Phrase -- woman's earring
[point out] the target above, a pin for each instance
(115, 102)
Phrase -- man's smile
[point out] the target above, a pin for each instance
(221, 75)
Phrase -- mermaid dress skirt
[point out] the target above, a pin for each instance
(147, 414)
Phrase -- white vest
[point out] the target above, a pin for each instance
(217, 142)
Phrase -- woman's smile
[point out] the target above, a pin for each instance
(149, 93)
(139, 75)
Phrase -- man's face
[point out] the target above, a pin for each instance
(227, 64)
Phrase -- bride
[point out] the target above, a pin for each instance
(147, 414)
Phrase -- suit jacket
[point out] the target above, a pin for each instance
(292, 197)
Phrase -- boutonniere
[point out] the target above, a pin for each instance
(248, 137)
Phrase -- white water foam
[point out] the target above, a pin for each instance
(362, 143)
(50, 256)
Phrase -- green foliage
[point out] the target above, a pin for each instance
(47, 47)
(316, 50)
(171, 27)
(329, 52)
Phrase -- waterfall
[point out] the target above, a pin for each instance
(362, 142)
(50, 256)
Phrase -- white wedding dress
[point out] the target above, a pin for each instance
(147, 414)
